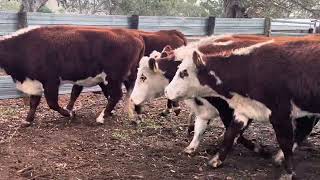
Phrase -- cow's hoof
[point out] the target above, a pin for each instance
(190, 130)
(100, 118)
(25, 124)
(177, 111)
(189, 150)
(287, 176)
(215, 162)
(72, 113)
(278, 158)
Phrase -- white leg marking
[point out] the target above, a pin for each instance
(100, 119)
(279, 157)
(286, 176)
(215, 161)
(199, 128)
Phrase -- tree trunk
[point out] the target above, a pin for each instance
(233, 9)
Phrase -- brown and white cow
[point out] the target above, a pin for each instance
(40, 59)
(278, 74)
(154, 41)
(154, 74)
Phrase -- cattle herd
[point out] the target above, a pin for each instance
(239, 78)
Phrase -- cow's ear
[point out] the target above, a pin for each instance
(167, 48)
(152, 64)
(164, 54)
(197, 59)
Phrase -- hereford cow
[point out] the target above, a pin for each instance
(154, 41)
(278, 74)
(40, 59)
(154, 74)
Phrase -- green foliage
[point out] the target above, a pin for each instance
(44, 9)
(6, 5)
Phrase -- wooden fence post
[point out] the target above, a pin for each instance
(22, 20)
(267, 27)
(134, 22)
(210, 25)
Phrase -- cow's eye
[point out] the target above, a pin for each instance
(143, 77)
(183, 74)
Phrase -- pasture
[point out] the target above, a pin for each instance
(57, 148)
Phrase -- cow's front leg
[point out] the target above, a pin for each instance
(199, 128)
(115, 94)
(51, 90)
(34, 102)
(75, 93)
(233, 131)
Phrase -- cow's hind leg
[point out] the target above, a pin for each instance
(282, 124)
(115, 94)
(51, 94)
(76, 91)
(303, 127)
(34, 102)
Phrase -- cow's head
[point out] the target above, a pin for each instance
(151, 80)
(185, 83)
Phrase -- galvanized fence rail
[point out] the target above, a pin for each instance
(192, 27)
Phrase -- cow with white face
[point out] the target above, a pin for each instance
(155, 73)
(227, 72)
(151, 81)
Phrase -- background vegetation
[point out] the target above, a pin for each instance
(218, 8)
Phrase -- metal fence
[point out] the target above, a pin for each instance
(190, 26)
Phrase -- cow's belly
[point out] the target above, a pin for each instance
(205, 111)
(88, 82)
(31, 87)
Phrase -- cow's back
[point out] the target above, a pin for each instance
(75, 52)
(158, 40)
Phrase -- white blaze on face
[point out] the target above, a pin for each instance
(149, 84)
(31, 87)
(185, 83)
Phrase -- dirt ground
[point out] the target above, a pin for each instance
(57, 148)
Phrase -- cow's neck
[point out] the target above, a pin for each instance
(230, 74)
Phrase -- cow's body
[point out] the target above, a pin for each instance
(154, 41)
(275, 73)
(41, 59)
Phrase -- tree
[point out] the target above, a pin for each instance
(31, 5)
(233, 9)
